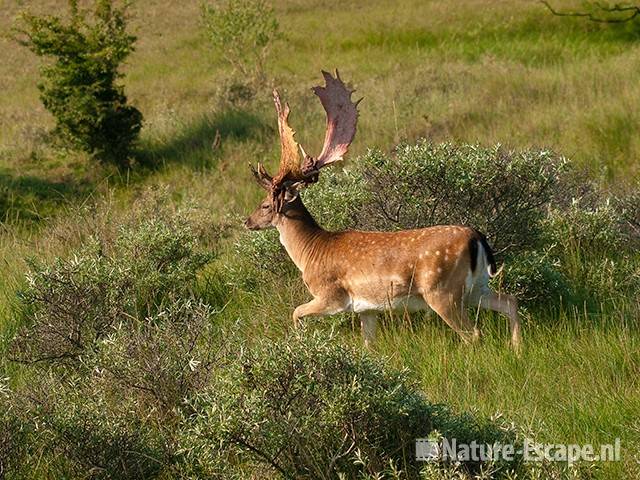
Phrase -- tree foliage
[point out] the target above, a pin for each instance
(242, 32)
(80, 87)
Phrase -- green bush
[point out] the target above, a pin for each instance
(90, 435)
(502, 193)
(165, 358)
(114, 343)
(628, 203)
(546, 224)
(536, 277)
(596, 244)
(80, 87)
(118, 415)
(73, 302)
(175, 397)
(258, 255)
(242, 32)
(587, 228)
(308, 406)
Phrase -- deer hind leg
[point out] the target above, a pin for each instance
(453, 312)
(508, 305)
(317, 307)
(368, 325)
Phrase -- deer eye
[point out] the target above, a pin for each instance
(264, 207)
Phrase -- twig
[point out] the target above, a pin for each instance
(633, 10)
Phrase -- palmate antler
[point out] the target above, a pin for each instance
(289, 157)
(342, 118)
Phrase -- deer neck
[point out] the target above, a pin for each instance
(299, 233)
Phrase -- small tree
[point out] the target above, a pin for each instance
(80, 87)
(242, 31)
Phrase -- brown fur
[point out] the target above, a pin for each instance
(445, 268)
(367, 272)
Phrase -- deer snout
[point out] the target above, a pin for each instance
(250, 224)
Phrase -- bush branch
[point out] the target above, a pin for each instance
(632, 12)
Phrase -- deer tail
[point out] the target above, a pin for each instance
(478, 246)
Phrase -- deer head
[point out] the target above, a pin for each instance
(295, 172)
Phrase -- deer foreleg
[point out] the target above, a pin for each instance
(316, 307)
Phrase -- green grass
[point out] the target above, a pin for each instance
(576, 381)
(488, 72)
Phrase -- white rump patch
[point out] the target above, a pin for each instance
(477, 283)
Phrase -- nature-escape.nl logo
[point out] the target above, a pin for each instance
(451, 450)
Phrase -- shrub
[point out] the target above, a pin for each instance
(115, 343)
(75, 301)
(257, 254)
(505, 194)
(118, 414)
(309, 407)
(89, 434)
(594, 228)
(594, 240)
(535, 277)
(80, 88)
(502, 193)
(163, 359)
(242, 32)
(628, 204)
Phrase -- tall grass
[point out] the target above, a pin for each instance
(485, 72)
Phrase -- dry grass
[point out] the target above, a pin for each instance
(488, 71)
(475, 71)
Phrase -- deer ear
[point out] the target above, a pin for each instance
(292, 191)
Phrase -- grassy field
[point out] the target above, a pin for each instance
(487, 71)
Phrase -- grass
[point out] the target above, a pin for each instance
(553, 389)
(469, 71)
(575, 382)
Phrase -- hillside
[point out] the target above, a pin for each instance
(474, 71)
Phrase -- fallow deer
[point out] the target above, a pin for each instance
(445, 268)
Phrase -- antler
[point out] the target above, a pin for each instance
(342, 118)
(261, 176)
(289, 156)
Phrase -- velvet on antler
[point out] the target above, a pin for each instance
(342, 118)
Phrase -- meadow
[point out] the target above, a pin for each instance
(473, 71)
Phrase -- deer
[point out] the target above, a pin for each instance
(444, 268)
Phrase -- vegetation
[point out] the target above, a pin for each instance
(242, 32)
(77, 301)
(309, 407)
(114, 343)
(79, 88)
(170, 336)
(132, 368)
